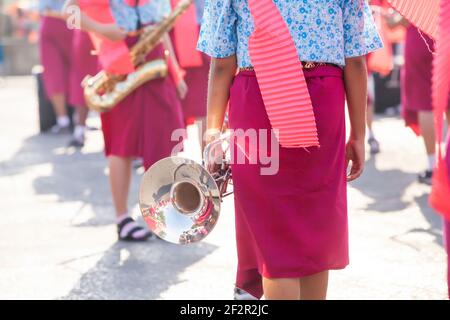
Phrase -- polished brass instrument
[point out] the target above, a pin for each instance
(104, 91)
(180, 200)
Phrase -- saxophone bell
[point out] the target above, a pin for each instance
(103, 92)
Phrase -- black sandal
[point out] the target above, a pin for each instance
(374, 146)
(425, 177)
(130, 234)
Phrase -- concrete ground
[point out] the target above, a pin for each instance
(58, 237)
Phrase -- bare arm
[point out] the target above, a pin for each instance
(221, 76)
(355, 77)
(109, 31)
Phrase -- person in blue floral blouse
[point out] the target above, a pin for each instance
(291, 225)
(323, 30)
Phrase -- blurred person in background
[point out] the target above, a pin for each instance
(374, 144)
(194, 63)
(23, 22)
(55, 46)
(84, 63)
(142, 124)
(416, 94)
(2, 60)
(381, 62)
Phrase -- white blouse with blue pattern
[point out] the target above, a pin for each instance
(199, 7)
(51, 5)
(323, 30)
(128, 17)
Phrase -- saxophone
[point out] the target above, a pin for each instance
(104, 91)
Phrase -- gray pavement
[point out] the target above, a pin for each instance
(58, 238)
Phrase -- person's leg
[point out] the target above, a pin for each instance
(314, 287)
(369, 116)
(55, 73)
(80, 127)
(426, 123)
(58, 101)
(120, 179)
(373, 142)
(281, 289)
(371, 139)
(82, 114)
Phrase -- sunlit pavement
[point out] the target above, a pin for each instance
(58, 237)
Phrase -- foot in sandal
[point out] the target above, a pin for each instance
(129, 230)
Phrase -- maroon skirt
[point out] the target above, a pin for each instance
(194, 105)
(55, 46)
(294, 223)
(142, 124)
(417, 77)
(83, 63)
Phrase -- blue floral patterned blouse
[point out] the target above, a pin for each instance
(52, 5)
(323, 30)
(128, 17)
(199, 7)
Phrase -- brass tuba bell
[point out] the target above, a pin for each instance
(180, 200)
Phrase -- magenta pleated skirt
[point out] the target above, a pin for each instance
(417, 71)
(55, 46)
(194, 105)
(294, 223)
(417, 76)
(83, 63)
(142, 124)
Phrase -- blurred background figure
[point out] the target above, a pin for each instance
(2, 60)
(383, 70)
(374, 145)
(84, 63)
(416, 93)
(195, 64)
(19, 30)
(55, 44)
(140, 125)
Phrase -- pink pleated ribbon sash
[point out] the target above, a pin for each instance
(421, 13)
(441, 89)
(280, 74)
